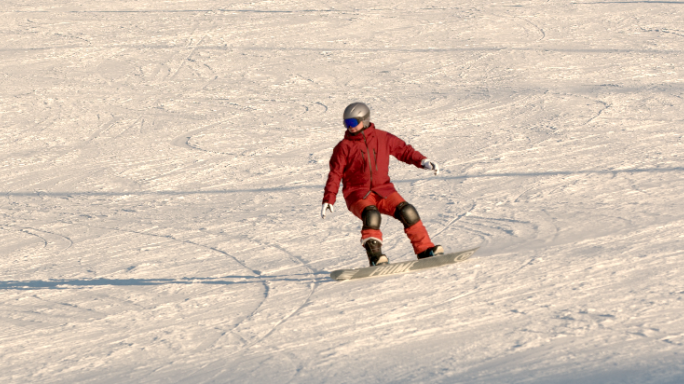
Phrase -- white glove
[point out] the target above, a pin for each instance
(430, 165)
(326, 207)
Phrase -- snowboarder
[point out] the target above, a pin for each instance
(361, 162)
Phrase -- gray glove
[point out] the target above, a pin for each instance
(430, 165)
(326, 207)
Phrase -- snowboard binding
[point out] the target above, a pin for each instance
(434, 251)
(374, 252)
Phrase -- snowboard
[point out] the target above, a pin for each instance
(403, 267)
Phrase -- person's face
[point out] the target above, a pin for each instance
(357, 129)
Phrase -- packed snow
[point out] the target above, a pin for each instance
(163, 163)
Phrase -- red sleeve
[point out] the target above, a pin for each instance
(338, 161)
(404, 152)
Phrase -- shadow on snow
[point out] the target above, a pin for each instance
(305, 186)
(89, 283)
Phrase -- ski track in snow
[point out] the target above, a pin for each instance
(163, 167)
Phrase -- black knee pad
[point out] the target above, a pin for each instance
(407, 214)
(371, 217)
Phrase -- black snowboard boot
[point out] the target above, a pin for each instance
(434, 251)
(374, 251)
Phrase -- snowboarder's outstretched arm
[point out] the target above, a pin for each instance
(406, 153)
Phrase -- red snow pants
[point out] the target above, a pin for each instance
(416, 233)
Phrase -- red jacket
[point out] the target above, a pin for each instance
(362, 163)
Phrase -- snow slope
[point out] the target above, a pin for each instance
(162, 166)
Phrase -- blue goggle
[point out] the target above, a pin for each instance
(350, 123)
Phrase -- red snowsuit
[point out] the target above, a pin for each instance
(361, 162)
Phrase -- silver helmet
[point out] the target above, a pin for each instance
(359, 111)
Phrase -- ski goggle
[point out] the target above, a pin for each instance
(351, 123)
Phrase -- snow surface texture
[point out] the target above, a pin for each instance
(162, 168)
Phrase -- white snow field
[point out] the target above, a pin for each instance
(162, 167)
